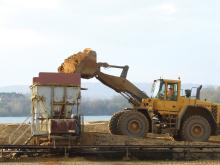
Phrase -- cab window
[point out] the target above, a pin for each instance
(162, 92)
(172, 91)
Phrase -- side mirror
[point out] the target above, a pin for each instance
(188, 93)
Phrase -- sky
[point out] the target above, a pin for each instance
(156, 38)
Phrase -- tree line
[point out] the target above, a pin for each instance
(14, 104)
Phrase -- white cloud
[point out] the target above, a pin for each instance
(31, 4)
(158, 10)
(167, 8)
(10, 8)
(17, 38)
(6, 14)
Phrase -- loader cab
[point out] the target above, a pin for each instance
(164, 89)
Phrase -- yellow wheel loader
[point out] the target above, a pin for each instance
(167, 110)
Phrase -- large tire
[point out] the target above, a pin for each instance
(113, 123)
(133, 123)
(195, 128)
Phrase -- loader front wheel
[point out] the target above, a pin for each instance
(195, 128)
(113, 123)
(133, 123)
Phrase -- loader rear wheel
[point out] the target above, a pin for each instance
(113, 123)
(195, 128)
(133, 123)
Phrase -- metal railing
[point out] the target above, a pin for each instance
(19, 132)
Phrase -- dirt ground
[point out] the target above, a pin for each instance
(82, 161)
(102, 127)
(9, 130)
(97, 133)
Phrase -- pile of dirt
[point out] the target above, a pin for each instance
(9, 130)
(94, 138)
(81, 62)
(98, 126)
(102, 127)
(97, 133)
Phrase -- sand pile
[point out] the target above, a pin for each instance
(98, 126)
(7, 130)
(92, 138)
(81, 62)
(97, 133)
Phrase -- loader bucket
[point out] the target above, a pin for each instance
(81, 62)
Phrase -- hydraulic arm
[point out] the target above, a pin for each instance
(85, 63)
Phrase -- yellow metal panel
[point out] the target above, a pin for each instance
(174, 107)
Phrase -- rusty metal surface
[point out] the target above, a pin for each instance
(46, 78)
(62, 126)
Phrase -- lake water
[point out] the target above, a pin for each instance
(21, 119)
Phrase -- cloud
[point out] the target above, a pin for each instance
(30, 4)
(167, 8)
(13, 35)
(9, 9)
(21, 38)
(152, 12)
